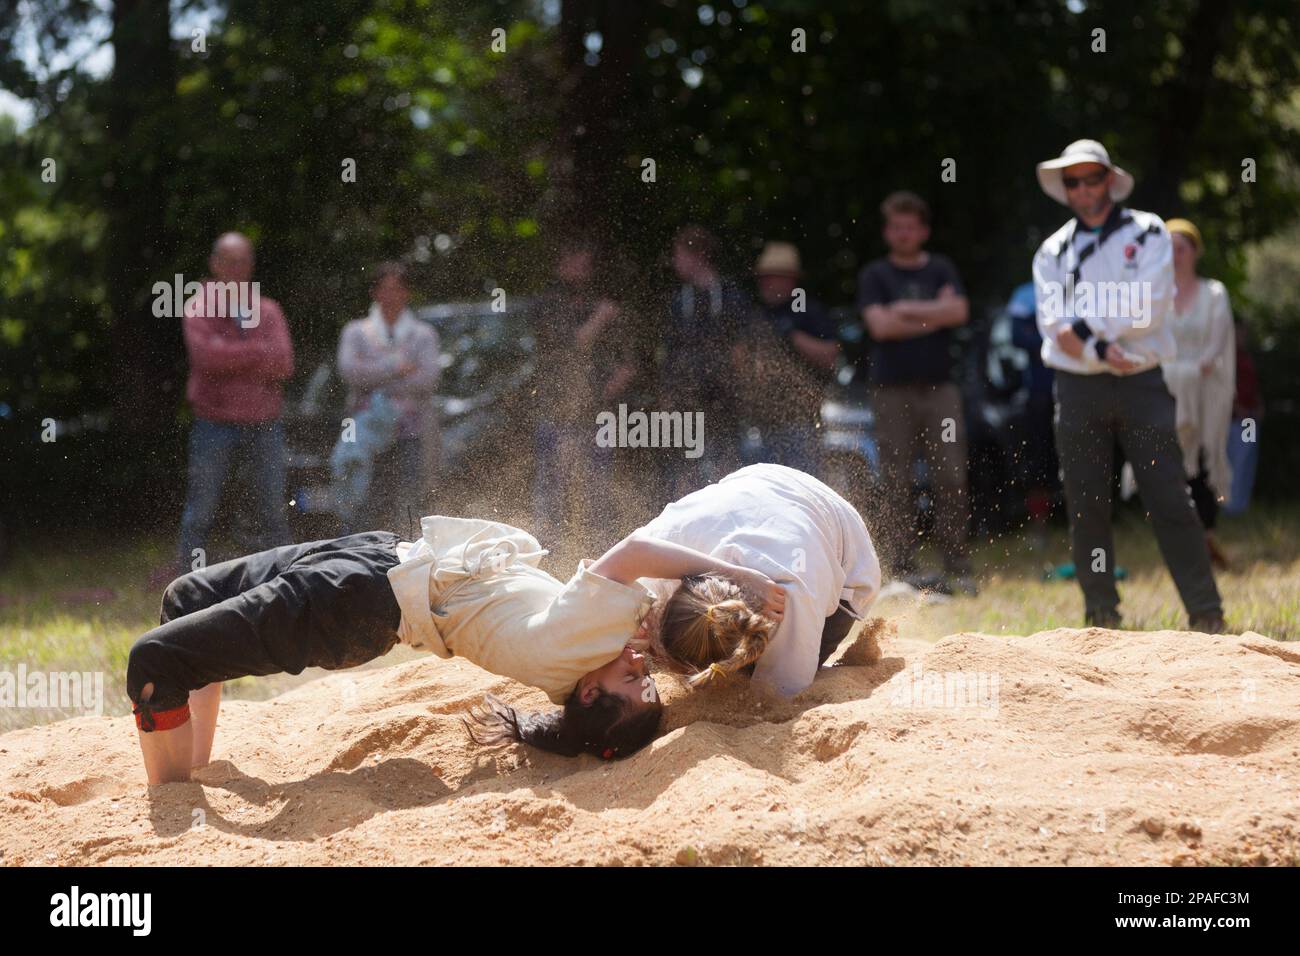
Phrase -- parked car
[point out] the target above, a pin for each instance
(850, 455)
(997, 399)
(487, 358)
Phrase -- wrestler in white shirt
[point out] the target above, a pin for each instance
(798, 532)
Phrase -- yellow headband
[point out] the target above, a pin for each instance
(1186, 227)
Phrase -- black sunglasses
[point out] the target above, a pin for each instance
(1092, 179)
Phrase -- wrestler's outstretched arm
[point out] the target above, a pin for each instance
(638, 556)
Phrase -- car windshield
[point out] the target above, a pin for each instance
(476, 346)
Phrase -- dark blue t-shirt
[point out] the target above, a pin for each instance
(1024, 335)
(814, 319)
(924, 359)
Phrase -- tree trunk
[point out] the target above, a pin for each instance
(598, 116)
(1205, 38)
(146, 349)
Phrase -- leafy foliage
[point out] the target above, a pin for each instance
(475, 163)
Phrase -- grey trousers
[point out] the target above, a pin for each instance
(1092, 411)
(912, 420)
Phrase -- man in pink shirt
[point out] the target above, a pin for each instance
(240, 354)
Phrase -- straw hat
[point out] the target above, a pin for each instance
(1187, 228)
(779, 259)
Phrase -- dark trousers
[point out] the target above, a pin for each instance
(911, 421)
(321, 604)
(1092, 412)
(1203, 497)
(834, 631)
(396, 496)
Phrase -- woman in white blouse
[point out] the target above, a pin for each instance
(1202, 378)
(391, 363)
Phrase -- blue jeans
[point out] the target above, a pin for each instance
(213, 448)
(1243, 456)
(571, 469)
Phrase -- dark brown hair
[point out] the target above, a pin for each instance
(608, 727)
(385, 269)
(905, 203)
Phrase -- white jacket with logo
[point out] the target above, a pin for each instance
(1123, 287)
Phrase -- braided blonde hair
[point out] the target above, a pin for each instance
(708, 629)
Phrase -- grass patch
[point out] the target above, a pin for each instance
(1261, 591)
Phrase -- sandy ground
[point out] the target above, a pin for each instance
(1066, 747)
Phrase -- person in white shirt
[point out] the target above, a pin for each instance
(467, 588)
(1203, 379)
(797, 531)
(391, 354)
(1104, 285)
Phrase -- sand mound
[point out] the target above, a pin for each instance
(1067, 747)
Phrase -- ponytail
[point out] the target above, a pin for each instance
(709, 630)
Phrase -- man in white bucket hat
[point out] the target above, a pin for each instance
(1051, 173)
(1104, 286)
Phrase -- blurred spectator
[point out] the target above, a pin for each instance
(240, 354)
(1243, 436)
(390, 361)
(702, 354)
(584, 365)
(909, 300)
(1038, 448)
(1108, 381)
(1201, 377)
(790, 358)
